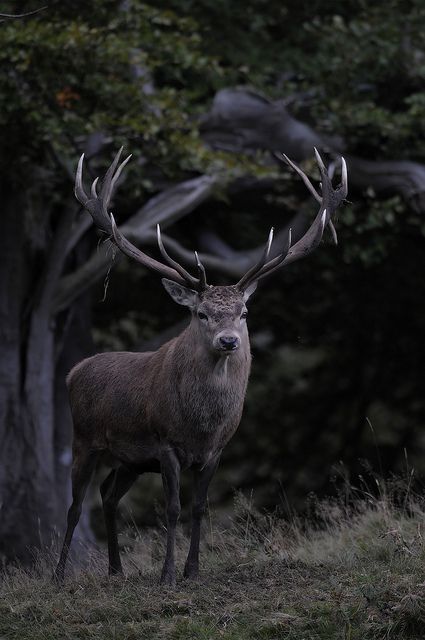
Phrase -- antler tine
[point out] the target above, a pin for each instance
(110, 180)
(97, 205)
(274, 264)
(117, 175)
(344, 178)
(323, 172)
(79, 192)
(342, 189)
(202, 274)
(303, 176)
(333, 232)
(93, 188)
(319, 160)
(250, 274)
(133, 252)
(105, 192)
(193, 282)
(329, 201)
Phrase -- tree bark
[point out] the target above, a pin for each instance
(241, 120)
(33, 486)
(72, 345)
(27, 502)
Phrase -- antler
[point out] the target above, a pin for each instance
(329, 202)
(97, 205)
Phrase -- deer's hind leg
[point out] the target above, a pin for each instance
(83, 465)
(113, 488)
(170, 470)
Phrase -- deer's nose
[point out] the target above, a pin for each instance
(229, 343)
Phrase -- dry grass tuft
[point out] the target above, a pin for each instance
(358, 573)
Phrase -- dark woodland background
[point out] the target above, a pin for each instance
(202, 93)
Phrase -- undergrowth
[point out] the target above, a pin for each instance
(354, 570)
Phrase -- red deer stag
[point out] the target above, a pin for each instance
(175, 408)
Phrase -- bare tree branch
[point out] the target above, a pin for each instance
(13, 16)
(175, 203)
(391, 176)
(241, 120)
(79, 229)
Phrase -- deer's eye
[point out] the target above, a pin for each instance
(244, 315)
(202, 316)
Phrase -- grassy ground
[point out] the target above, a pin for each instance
(360, 575)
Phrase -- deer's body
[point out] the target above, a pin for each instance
(183, 396)
(175, 408)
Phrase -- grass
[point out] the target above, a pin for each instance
(357, 573)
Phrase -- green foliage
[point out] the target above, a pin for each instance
(360, 67)
(371, 69)
(74, 73)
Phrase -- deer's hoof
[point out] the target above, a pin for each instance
(191, 572)
(168, 579)
(58, 578)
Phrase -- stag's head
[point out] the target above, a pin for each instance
(218, 312)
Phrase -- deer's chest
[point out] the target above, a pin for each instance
(209, 413)
(208, 407)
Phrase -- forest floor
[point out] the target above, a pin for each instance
(358, 573)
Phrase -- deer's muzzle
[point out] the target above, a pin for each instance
(227, 342)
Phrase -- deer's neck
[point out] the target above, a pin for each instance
(209, 388)
(196, 358)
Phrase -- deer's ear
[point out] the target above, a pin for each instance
(249, 290)
(182, 295)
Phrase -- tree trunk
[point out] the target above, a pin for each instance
(27, 502)
(75, 344)
(35, 424)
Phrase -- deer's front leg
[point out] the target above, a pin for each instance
(202, 479)
(170, 471)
